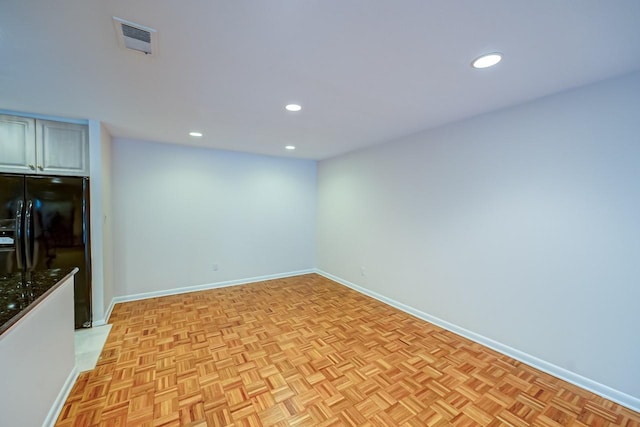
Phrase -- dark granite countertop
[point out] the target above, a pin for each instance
(21, 292)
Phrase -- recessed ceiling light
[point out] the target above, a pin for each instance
(486, 61)
(197, 134)
(292, 107)
(290, 147)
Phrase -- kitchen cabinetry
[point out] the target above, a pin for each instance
(35, 146)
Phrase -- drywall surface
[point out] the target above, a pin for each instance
(186, 216)
(521, 225)
(107, 214)
(37, 359)
(96, 214)
(102, 275)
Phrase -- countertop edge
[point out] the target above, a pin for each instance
(15, 319)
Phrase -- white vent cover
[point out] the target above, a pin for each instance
(135, 36)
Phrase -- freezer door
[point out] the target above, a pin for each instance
(56, 229)
(11, 224)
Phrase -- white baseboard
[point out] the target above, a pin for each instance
(187, 289)
(56, 408)
(607, 392)
(103, 321)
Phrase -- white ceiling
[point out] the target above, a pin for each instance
(365, 72)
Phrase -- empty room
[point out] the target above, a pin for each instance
(319, 213)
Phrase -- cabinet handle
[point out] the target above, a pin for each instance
(40, 167)
(32, 167)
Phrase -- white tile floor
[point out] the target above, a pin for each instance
(89, 343)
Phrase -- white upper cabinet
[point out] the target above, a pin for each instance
(17, 144)
(62, 148)
(43, 147)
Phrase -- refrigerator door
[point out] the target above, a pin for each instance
(56, 229)
(11, 224)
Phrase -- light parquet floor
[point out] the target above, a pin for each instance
(305, 351)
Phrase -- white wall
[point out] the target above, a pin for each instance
(96, 220)
(107, 227)
(100, 219)
(38, 361)
(522, 225)
(180, 210)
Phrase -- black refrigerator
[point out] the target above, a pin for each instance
(44, 225)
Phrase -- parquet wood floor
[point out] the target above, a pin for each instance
(305, 351)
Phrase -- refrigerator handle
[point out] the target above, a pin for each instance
(17, 238)
(27, 234)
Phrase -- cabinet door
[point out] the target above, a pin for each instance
(17, 144)
(62, 148)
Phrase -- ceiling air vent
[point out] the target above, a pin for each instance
(135, 36)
